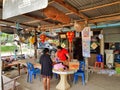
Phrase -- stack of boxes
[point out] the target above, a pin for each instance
(74, 65)
(117, 63)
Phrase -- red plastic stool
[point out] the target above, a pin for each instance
(99, 64)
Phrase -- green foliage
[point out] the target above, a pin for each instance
(8, 48)
(6, 37)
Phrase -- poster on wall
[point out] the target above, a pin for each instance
(86, 33)
(86, 39)
(13, 8)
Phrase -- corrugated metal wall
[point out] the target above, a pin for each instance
(112, 34)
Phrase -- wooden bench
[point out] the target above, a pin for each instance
(10, 84)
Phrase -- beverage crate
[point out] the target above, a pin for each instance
(117, 70)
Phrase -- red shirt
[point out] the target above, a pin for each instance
(62, 54)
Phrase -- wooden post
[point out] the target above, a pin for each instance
(102, 44)
(70, 45)
(1, 83)
(20, 49)
(86, 61)
(86, 70)
(18, 66)
(72, 50)
(35, 45)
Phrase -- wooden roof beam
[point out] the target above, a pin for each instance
(36, 18)
(56, 26)
(108, 15)
(71, 9)
(19, 23)
(101, 6)
(36, 21)
(69, 13)
(103, 19)
(31, 22)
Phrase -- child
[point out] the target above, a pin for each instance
(46, 68)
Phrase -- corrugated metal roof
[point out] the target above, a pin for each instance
(20, 19)
(38, 14)
(54, 21)
(40, 23)
(78, 4)
(83, 4)
(75, 17)
(103, 11)
(46, 22)
(59, 7)
(93, 13)
(109, 10)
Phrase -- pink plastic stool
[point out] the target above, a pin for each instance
(99, 64)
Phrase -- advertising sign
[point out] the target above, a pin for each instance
(86, 38)
(13, 8)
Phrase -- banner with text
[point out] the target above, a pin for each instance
(86, 38)
(17, 7)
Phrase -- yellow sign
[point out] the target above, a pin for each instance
(94, 45)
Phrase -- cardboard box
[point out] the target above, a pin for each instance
(74, 65)
(117, 65)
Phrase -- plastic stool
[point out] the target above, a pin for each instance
(99, 64)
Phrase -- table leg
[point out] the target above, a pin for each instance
(25, 69)
(63, 84)
(19, 69)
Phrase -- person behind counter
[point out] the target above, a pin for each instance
(46, 68)
(62, 55)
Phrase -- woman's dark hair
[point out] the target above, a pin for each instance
(45, 50)
(59, 47)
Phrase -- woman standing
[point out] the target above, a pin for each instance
(63, 55)
(46, 68)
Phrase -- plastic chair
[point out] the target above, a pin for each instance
(99, 58)
(99, 62)
(80, 72)
(32, 71)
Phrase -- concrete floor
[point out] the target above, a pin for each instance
(96, 82)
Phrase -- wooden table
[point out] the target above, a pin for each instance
(14, 63)
(24, 62)
(63, 84)
(18, 63)
(9, 83)
(37, 65)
